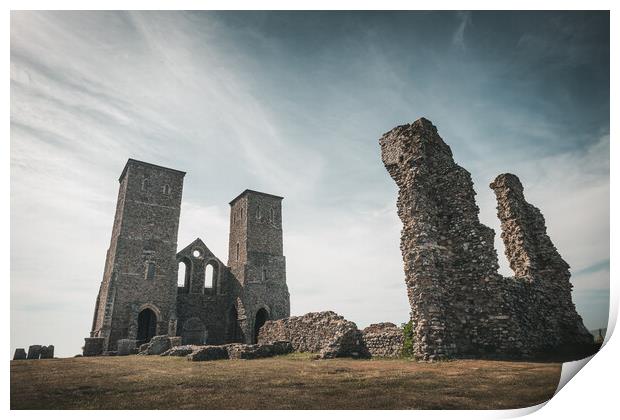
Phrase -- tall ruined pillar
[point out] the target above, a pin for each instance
(535, 260)
(460, 305)
(448, 254)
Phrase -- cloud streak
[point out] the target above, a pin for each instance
(293, 104)
(458, 39)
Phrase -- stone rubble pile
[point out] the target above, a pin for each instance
(180, 351)
(325, 333)
(159, 344)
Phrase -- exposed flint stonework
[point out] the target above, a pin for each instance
(383, 340)
(325, 333)
(460, 305)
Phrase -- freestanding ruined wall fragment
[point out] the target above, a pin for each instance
(460, 305)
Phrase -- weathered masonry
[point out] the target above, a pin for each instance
(460, 305)
(215, 303)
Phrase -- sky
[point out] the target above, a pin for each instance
(293, 104)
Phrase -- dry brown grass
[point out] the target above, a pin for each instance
(287, 382)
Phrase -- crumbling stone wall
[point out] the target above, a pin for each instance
(325, 333)
(383, 340)
(460, 305)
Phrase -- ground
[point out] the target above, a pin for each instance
(285, 382)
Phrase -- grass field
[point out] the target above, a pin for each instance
(285, 382)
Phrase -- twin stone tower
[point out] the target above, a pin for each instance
(460, 305)
(140, 295)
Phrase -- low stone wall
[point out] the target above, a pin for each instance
(325, 333)
(383, 340)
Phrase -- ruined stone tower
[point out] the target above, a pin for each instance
(460, 305)
(256, 260)
(137, 297)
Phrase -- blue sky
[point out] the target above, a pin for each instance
(294, 104)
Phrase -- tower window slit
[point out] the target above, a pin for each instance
(150, 270)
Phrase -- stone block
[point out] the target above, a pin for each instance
(93, 346)
(205, 353)
(47, 352)
(20, 354)
(157, 345)
(34, 351)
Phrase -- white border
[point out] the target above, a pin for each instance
(592, 394)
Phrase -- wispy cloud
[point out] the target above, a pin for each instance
(268, 101)
(458, 38)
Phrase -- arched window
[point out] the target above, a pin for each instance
(272, 216)
(165, 189)
(210, 275)
(237, 251)
(241, 213)
(258, 213)
(184, 275)
(264, 274)
(145, 184)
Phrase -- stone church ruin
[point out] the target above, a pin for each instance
(460, 305)
(140, 298)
